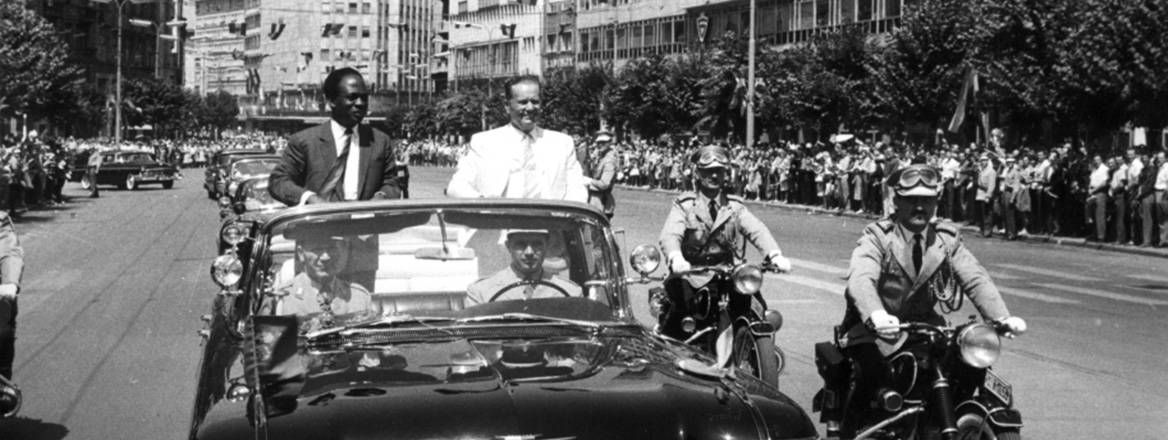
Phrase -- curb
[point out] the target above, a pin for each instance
(1035, 239)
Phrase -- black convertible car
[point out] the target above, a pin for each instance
(398, 319)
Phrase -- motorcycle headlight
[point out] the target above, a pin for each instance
(747, 279)
(226, 270)
(233, 233)
(980, 345)
(231, 187)
(645, 259)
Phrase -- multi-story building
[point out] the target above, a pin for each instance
(214, 55)
(89, 28)
(494, 39)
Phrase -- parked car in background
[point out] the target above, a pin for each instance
(217, 169)
(421, 334)
(242, 168)
(128, 169)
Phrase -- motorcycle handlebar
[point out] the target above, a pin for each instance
(725, 269)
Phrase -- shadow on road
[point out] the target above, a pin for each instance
(31, 429)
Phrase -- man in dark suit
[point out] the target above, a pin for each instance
(341, 159)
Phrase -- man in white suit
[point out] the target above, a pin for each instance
(520, 159)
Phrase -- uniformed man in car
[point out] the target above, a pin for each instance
(909, 267)
(320, 293)
(706, 228)
(526, 277)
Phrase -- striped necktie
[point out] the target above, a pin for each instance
(530, 179)
(333, 189)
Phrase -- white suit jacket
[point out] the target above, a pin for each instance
(485, 168)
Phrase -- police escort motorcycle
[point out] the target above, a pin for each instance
(711, 298)
(941, 387)
(726, 318)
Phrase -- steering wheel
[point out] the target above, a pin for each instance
(524, 283)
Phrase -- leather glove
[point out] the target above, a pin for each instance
(780, 262)
(678, 264)
(1014, 326)
(885, 325)
(8, 291)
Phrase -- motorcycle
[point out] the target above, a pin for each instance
(10, 398)
(720, 320)
(942, 388)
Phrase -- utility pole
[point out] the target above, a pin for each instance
(750, 81)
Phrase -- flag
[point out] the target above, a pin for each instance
(968, 86)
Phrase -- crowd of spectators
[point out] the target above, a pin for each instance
(1009, 192)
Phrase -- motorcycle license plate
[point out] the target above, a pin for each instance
(999, 387)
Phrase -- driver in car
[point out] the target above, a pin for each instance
(319, 291)
(525, 278)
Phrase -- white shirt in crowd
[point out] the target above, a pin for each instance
(1099, 178)
(1162, 178)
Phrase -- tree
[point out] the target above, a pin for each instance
(32, 63)
(154, 102)
(220, 111)
(916, 76)
(571, 98)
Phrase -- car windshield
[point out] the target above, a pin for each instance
(256, 197)
(469, 264)
(134, 158)
(253, 167)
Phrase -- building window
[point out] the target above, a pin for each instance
(847, 11)
(679, 31)
(339, 7)
(365, 8)
(364, 31)
(891, 8)
(864, 10)
(325, 7)
(352, 8)
(324, 54)
(806, 15)
(352, 31)
(822, 13)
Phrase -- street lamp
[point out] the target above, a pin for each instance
(118, 5)
(750, 80)
(158, 27)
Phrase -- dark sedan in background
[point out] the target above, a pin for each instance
(128, 169)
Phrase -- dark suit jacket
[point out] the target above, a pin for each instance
(310, 154)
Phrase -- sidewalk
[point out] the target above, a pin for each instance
(1037, 239)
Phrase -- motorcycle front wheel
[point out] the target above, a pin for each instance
(756, 355)
(975, 427)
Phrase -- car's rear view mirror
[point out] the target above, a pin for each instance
(444, 253)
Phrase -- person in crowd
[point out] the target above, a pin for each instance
(1146, 200)
(525, 278)
(1096, 208)
(320, 293)
(1161, 189)
(603, 172)
(709, 227)
(895, 269)
(11, 270)
(341, 159)
(1117, 195)
(520, 159)
(987, 189)
(93, 165)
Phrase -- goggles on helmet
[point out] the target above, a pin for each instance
(922, 175)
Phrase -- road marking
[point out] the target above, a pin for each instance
(819, 267)
(1036, 296)
(1105, 294)
(1048, 272)
(1004, 276)
(813, 283)
(1153, 278)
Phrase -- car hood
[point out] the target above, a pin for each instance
(617, 386)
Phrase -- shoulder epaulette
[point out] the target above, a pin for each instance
(736, 198)
(684, 197)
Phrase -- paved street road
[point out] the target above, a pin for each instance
(114, 287)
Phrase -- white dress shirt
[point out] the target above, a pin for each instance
(1162, 178)
(1099, 178)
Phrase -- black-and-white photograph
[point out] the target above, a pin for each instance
(583, 219)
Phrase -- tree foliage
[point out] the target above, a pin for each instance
(33, 63)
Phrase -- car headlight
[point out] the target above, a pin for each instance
(645, 259)
(747, 279)
(226, 270)
(233, 233)
(980, 345)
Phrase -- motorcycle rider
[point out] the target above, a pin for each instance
(905, 268)
(11, 268)
(707, 227)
